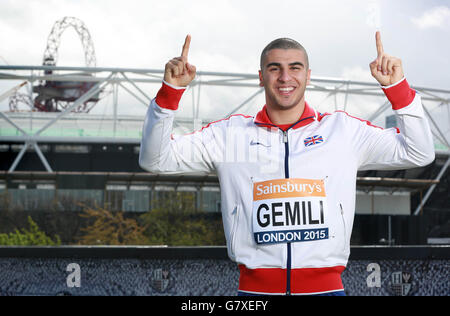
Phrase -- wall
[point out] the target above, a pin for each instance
(203, 271)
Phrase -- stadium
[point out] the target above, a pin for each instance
(69, 144)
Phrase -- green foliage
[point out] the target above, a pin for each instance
(174, 220)
(32, 236)
(182, 229)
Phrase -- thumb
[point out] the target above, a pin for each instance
(373, 65)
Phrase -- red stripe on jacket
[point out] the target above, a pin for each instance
(303, 280)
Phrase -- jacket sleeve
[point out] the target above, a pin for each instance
(161, 152)
(410, 145)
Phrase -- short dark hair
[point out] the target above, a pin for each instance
(283, 43)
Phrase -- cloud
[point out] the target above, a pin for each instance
(436, 17)
(357, 73)
(227, 36)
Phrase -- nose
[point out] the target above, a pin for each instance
(284, 76)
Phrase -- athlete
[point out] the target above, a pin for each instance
(287, 175)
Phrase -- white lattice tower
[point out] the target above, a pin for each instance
(54, 39)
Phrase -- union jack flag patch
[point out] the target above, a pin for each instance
(310, 141)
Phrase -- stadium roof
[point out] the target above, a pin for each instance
(126, 93)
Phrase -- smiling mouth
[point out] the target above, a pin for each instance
(286, 90)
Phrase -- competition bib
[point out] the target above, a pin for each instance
(289, 210)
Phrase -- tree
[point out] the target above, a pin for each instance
(28, 237)
(110, 228)
(174, 221)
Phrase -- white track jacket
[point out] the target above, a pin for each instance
(288, 196)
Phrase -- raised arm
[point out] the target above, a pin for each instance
(160, 151)
(411, 144)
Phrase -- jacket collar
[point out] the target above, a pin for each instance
(308, 116)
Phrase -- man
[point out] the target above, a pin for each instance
(288, 175)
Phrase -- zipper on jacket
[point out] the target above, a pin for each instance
(286, 175)
(233, 230)
(288, 245)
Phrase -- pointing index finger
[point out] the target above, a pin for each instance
(380, 49)
(187, 43)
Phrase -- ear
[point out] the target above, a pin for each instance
(261, 82)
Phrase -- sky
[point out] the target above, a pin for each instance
(228, 35)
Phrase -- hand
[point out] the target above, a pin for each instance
(178, 71)
(385, 69)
